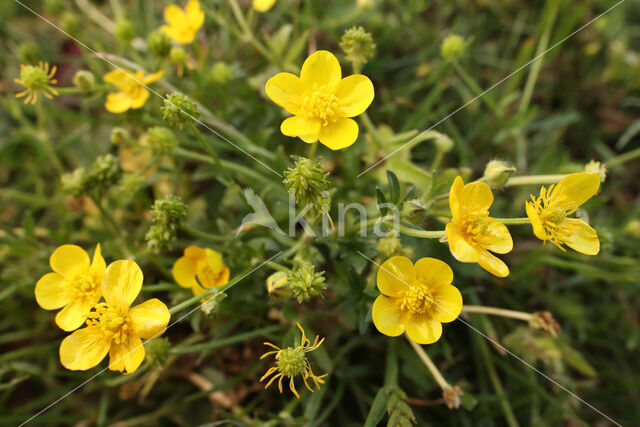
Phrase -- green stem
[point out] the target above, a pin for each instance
(69, 90)
(475, 88)
(534, 179)
(421, 233)
(312, 150)
(514, 221)
(426, 360)
(244, 26)
(496, 311)
(207, 236)
(228, 181)
(115, 228)
(622, 158)
(437, 159)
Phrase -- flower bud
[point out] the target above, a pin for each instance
(157, 351)
(633, 228)
(357, 45)
(413, 211)
(308, 182)
(365, 4)
(29, 53)
(70, 23)
(443, 143)
(159, 43)
(84, 80)
(452, 47)
(277, 281)
(161, 140)
(178, 55)
(221, 72)
(305, 283)
(178, 110)
(596, 167)
(124, 31)
(120, 136)
(497, 173)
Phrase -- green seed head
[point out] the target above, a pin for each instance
(357, 45)
(292, 362)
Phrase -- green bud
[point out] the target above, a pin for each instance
(443, 143)
(70, 23)
(221, 72)
(305, 283)
(73, 183)
(357, 45)
(633, 228)
(497, 173)
(34, 78)
(29, 53)
(120, 136)
(168, 216)
(159, 43)
(413, 211)
(84, 80)
(161, 140)
(178, 110)
(124, 31)
(157, 351)
(178, 55)
(309, 184)
(452, 47)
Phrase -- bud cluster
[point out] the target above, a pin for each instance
(308, 182)
(178, 110)
(168, 215)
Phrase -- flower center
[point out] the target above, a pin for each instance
(34, 78)
(84, 285)
(417, 300)
(292, 362)
(321, 105)
(113, 322)
(208, 276)
(555, 215)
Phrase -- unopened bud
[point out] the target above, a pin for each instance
(452, 47)
(159, 43)
(497, 173)
(120, 136)
(124, 31)
(84, 80)
(221, 72)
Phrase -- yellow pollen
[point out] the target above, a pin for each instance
(555, 215)
(113, 322)
(84, 286)
(321, 105)
(417, 300)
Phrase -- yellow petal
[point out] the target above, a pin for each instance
(340, 134)
(262, 5)
(423, 329)
(150, 318)
(498, 237)
(98, 265)
(458, 245)
(583, 238)
(455, 197)
(118, 78)
(355, 94)
(74, 314)
(300, 126)
(118, 102)
(214, 259)
(321, 69)
(126, 357)
(387, 316)
(194, 252)
(493, 264)
(578, 187)
(536, 222)
(83, 349)
(69, 259)
(433, 272)
(448, 303)
(152, 77)
(477, 196)
(173, 14)
(184, 272)
(194, 15)
(52, 291)
(286, 90)
(395, 276)
(139, 97)
(122, 283)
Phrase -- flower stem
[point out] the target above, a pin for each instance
(622, 158)
(421, 233)
(424, 357)
(495, 311)
(514, 221)
(205, 235)
(534, 179)
(228, 181)
(312, 150)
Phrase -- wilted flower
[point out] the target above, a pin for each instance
(36, 80)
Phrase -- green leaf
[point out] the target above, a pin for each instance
(394, 187)
(378, 408)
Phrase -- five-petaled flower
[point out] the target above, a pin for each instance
(416, 299)
(472, 233)
(206, 264)
(321, 101)
(548, 213)
(115, 328)
(292, 361)
(183, 25)
(36, 80)
(133, 93)
(75, 284)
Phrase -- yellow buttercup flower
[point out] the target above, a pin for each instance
(321, 101)
(206, 264)
(548, 213)
(115, 328)
(472, 233)
(133, 93)
(416, 299)
(292, 361)
(36, 80)
(263, 5)
(75, 284)
(183, 25)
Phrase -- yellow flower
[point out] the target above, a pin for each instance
(292, 361)
(416, 299)
(115, 328)
(133, 93)
(75, 284)
(263, 5)
(183, 24)
(472, 233)
(36, 80)
(206, 264)
(321, 101)
(548, 213)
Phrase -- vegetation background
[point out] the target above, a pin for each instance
(579, 102)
